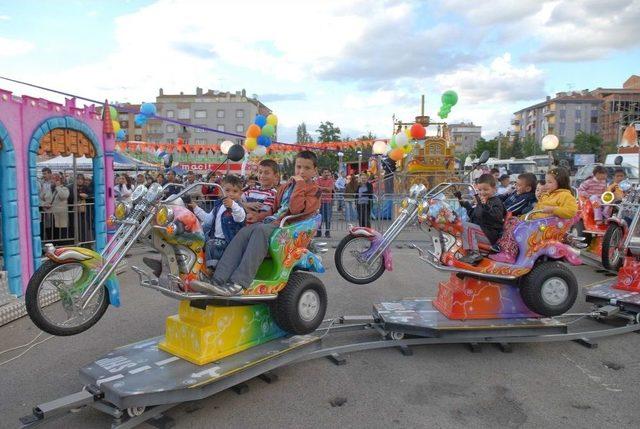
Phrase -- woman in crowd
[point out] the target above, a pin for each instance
(350, 191)
(122, 190)
(364, 199)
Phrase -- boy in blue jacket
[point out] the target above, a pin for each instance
(224, 221)
(522, 200)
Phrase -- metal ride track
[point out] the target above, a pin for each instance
(306, 348)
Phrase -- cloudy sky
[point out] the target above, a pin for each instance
(353, 62)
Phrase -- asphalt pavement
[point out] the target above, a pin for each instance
(538, 385)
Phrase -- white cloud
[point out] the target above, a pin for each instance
(498, 82)
(14, 47)
(494, 12)
(5, 17)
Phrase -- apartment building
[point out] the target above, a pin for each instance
(619, 107)
(465, 136)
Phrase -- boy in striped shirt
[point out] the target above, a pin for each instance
(259, 202)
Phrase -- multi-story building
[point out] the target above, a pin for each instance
(465, 136)
(620, 107)
(223, 111)
(126, 115)
(565, 115)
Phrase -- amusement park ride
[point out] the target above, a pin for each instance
(216, 343)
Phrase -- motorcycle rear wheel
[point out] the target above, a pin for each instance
(54, 291)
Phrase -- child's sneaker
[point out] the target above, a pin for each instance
(472, 258)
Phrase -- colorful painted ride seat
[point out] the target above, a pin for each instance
(288, 249)
(545, 236)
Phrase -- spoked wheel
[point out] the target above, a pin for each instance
(612, 248)
(53, 299)
(350, 258)
(550, 289)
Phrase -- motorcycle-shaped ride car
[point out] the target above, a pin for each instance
(546, 286)
(603, 242)
(72, 289)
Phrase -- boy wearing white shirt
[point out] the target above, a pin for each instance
(224, 221)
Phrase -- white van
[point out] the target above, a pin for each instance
(513, 167)
(542, 163)
(627, 158)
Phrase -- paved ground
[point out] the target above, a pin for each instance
(538, 385)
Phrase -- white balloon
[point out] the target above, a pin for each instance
(402, 139)
(379, 147)
(225, 146)
(260, 151)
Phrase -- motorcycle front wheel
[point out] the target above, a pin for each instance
(53, 295)
(349, 258)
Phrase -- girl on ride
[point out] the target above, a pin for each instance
(486, 219)
(593, 188)
(555, 200)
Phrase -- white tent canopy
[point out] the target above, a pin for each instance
(86, 164)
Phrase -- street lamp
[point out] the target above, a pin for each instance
(550, 143)
(379, 148)
(340, 165)
(359, 162)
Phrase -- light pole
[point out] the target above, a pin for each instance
(359, 162)
(379, 148)
(340, 165)
(550, 143)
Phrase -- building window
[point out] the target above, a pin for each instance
(170, 141)
(563, 106)
(171, 129)
(137, 132)
(200, 114)
(200, 130)
(578, 113)
(561, 129)
(578, 128)
(170, 114)
(220, 114)
(124, 124)
(220, 127)
(240, 128)
(183, 113)
(137, 138)
(239, 113)
(239, 141)
(201, 141)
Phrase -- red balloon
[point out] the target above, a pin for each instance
(418, 131)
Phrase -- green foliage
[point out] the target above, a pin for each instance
(531, 147)
(517, 151)
(302, 135)
(587, 143)
(490, 145)
(328, 132)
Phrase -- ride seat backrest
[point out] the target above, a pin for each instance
(286, 244)
(534, 233)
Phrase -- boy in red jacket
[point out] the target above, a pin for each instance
(241, 259)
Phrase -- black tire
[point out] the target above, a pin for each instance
(39, 319)
(535, 299)
(343, 272)
(286, 308)
(578, 230)
(611, 243)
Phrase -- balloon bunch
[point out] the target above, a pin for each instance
(147, 110)
(120, 133)
(260, 133)
(401, 144)
(449, 99)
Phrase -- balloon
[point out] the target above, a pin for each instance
(407, 131)
(392, 142)
(116, 126)
(260, 121)
(260, 151)
(407, 149)
(253, 131)
(268, 130)
(264, 141)
(225, 146)
(418, 131)
(396, 154)
(148, 109)
(272, 120)
(449, 98)
(140, 119)
(402, 139)
(114, 113)
(250, 144)
(236, 153)
(121, 134)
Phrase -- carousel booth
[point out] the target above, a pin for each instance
(32, 129)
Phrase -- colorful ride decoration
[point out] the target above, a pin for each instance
(30, 127)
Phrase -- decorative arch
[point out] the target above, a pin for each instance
(66, 122)
(9, 202)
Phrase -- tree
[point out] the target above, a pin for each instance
(302, 135)
(328, 132)
(489, 145)
(587, 143)
(368, 136)
(531, 146)
(516, 148)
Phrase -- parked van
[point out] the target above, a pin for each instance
(542, 163)
(513, 167)
(627, 158)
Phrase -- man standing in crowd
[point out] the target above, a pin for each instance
(341, 184)
(172, 189)
(326, 185)
(196, 192)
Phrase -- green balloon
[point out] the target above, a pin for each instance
(450, 98)
(114, 113)
(268, 130)
(392, 142)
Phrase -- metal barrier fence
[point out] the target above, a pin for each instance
(69, 224)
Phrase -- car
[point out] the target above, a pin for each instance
(587, 171)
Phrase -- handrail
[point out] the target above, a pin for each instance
(526, 217)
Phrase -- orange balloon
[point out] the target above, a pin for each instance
(396, 154)
(253, 131)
